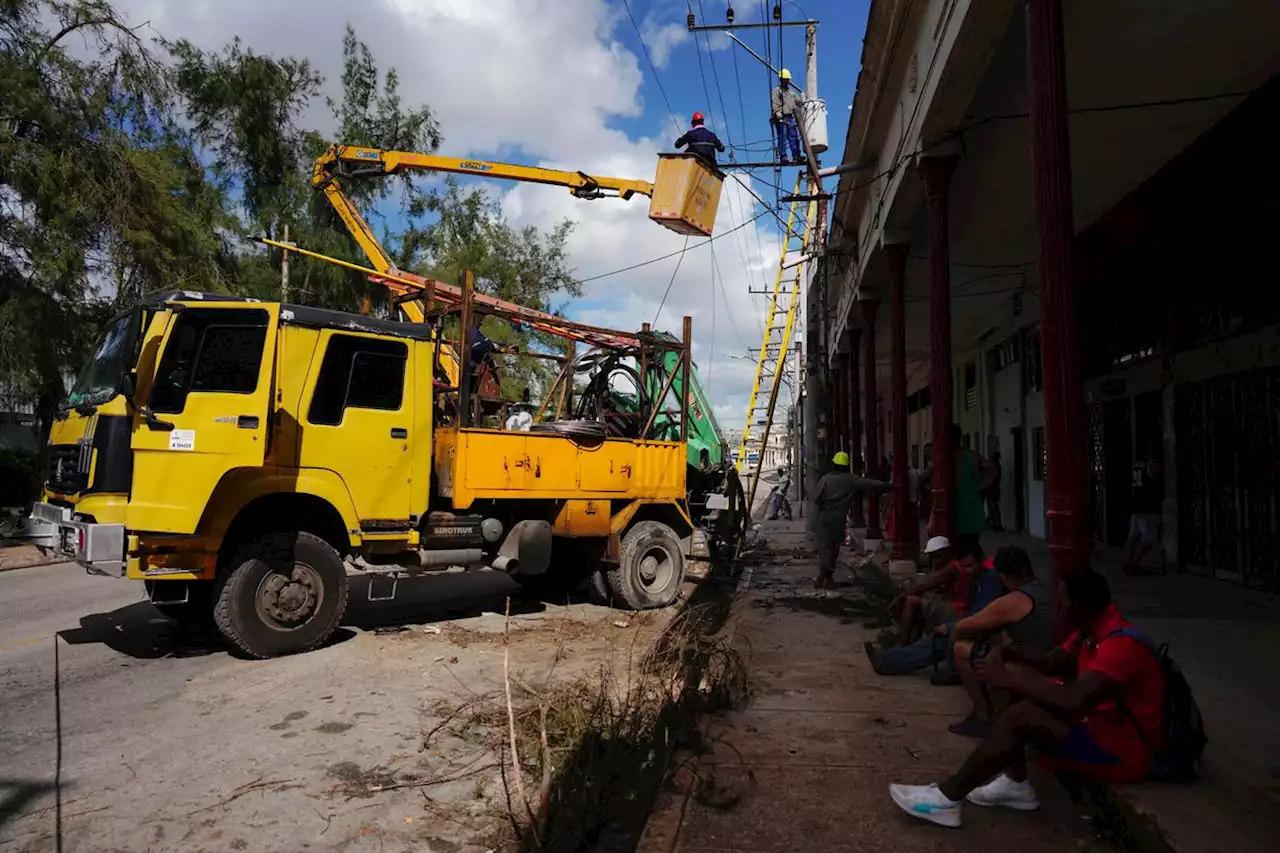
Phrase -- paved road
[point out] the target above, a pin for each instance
(168, 742)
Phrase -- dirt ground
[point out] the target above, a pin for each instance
(125, 733)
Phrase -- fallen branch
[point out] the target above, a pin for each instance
(278, 784)
(511, 726)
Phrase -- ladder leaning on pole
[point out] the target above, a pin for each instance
(784, 300)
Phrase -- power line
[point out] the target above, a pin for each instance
(743, 248)
(715, 263)
(982, 121)
(645, 49)
(667, 292)
(711, 359)
(785, 229)
(760, 215)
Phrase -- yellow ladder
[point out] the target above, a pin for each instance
(784, 300)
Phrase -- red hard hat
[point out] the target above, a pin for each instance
(697, 117)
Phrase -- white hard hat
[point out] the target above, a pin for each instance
(936, 544)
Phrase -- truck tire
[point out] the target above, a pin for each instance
(283, 593)
(195, 612)
(650, 570)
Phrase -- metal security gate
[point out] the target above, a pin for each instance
(1229, 477)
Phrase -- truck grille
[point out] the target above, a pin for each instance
(64, 473)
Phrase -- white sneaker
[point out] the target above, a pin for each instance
(1003, 791)
(927, 803)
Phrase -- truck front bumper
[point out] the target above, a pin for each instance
(99, 548)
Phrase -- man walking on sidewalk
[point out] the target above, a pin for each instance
(831, 501)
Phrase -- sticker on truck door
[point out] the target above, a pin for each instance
(182, 439)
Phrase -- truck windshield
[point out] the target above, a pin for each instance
(99, 380)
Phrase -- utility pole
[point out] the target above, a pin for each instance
(797, 430)
(284, 268)
(812, 414)
(816, 417)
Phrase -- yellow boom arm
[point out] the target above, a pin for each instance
(689, 189)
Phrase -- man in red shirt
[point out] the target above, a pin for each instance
(941, 597)
(1101, 718)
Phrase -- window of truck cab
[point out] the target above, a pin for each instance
(114, 355)
(210, 350)
(358, 373)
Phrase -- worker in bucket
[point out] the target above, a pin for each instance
(700, 140)
(786, 102)
(831, 499)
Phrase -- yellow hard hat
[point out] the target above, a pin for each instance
(784, 74)
(841, 458)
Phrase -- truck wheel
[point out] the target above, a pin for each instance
(651, 567)
(284, 593)
(195, 612)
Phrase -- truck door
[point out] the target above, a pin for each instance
(358, 422)
(211, 398)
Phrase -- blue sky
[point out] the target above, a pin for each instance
(565, 84)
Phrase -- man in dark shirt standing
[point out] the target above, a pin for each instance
(701, 141)
(835, 492)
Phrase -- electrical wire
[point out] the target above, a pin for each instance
(743, 249)
(782, 222)
(645, 49)
(983, 121)
(667, 292)
(711, 358)
(728, 306)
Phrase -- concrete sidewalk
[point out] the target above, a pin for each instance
(807, 763)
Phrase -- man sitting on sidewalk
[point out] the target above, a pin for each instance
(934, 647)
(940, 598)
(1101, 724)
(1022, 618)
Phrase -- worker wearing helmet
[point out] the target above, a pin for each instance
(700, 140)
(831, 499)
(785, 119)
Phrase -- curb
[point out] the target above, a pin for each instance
(666, 814)
(15, 562)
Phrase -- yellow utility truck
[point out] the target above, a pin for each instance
(240, 457)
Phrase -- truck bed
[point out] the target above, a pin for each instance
(477, 463)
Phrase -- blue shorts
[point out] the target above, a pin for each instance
(1079, 747)
(1144, 527)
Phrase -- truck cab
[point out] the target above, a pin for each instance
(240, 456)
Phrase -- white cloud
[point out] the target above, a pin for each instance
(662, 39)
(541, 75)
(538, 80)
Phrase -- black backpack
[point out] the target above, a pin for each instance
(1184, 735)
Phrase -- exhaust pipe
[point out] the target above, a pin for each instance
(451, 557)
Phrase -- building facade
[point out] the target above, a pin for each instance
(1051, 230)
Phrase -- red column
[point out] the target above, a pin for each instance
(870, 427)
(857, 516)
(838, 414)
(1066, 437)
(905, 530)
(936, 172)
